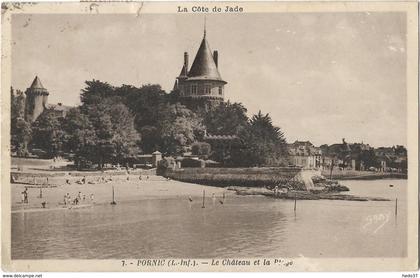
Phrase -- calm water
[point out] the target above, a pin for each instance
(242, 227)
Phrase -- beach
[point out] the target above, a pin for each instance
(154, 187)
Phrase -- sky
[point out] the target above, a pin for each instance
(321, 76)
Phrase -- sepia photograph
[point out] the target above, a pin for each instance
(209, 136)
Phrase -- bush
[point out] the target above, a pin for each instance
(201, 149)
(192, 163)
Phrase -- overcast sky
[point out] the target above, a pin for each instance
(321, 77)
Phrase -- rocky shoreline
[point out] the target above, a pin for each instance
(300, 195)
(312, 186)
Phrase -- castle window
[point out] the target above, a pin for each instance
(220, 90)
(194, 89)
(207, 89)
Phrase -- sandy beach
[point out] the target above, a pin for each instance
(155, 187)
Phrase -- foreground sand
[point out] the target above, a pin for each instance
(134, 189)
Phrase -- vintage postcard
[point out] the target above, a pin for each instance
(209, 136)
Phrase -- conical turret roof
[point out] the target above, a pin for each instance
(182, 73)
(36, 84)
(204, 66)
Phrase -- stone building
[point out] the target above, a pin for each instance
(37, 102)
(201, 86)
(304, 154)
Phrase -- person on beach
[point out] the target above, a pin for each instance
(147, 177)
(84, 180)
(276, 190)
(140, 178)
(22, 196)
(79, 196)
(91, 197)
(65, 200)
(190, 201)
(25, 195)
(67, 181)
(68, 198)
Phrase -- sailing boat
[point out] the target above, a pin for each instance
(113, 197)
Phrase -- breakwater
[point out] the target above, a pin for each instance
(251, 177)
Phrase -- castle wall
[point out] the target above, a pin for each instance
(201, 93)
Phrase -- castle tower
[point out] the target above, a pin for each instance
(36, 100)
(201, 85)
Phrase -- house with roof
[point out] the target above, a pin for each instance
(392, 159)
(336, 155)
(304, 154)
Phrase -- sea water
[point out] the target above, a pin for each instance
(243, 226)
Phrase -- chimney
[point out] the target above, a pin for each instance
(186, 63)
(216, 58)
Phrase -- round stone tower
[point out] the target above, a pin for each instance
(36, 100)
(201, 86)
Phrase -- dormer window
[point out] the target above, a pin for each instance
(220, 90)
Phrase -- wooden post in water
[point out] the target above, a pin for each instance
(396, 206)
(204, 195)
(295, 202)
(113, 197)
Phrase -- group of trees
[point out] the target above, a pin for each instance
(260, 142)
(114, 124)
(21, 131)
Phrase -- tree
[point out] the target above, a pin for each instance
(178, 127)
(125, 138)
(144, 103)
(263, 143)
(369, 159)
(151, 140)
(48, 134)
(216, 122)
(17, 102)
(80, 137)
(95, 92)
(21, 137)
(20, 129)
(116, 138)
(339, 152)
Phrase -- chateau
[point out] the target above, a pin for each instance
(37, 102)
(201, 86)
